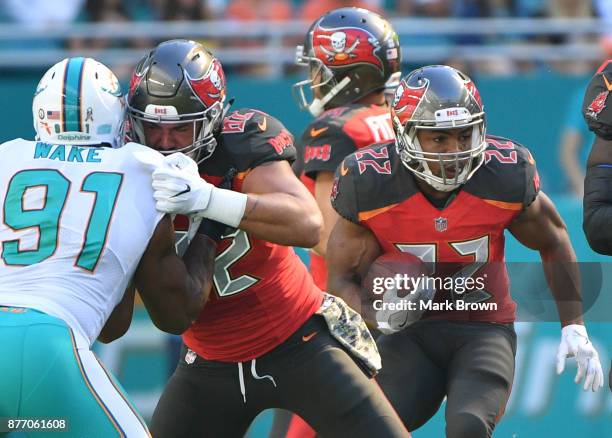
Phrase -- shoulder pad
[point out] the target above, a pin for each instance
(251, 137)
(508, 173)
(363, 182)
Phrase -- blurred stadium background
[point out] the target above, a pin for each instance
(530, 58)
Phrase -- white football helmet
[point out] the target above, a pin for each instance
(79, 101)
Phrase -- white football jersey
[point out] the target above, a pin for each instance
(74, 223)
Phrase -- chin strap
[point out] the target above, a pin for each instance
(317, 106)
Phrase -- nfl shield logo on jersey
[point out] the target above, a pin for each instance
(441, 224)
(190, 357)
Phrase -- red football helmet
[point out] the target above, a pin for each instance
(351, 52)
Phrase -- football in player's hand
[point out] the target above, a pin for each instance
(388, 266)
(397, 286)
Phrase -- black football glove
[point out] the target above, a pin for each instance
(596, 112)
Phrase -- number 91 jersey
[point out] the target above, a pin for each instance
(462, 243)
(262, 291)
(75, 222)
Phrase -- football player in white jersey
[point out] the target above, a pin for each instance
(78, 233)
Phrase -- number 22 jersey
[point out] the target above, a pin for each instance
(464, 239)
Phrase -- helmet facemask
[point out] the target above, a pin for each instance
(205, 126)
(321, 92)
(456, 168)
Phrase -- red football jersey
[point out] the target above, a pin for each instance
(262, 291)
(465, 239)
(328, 140)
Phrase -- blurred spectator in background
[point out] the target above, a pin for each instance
(108, 11)
(98, 11)
(425, 8)
(250, 10)
(571, 9)
(604, 11)
(313, 9)
(576, 140)
(39, 14)
(185, 10)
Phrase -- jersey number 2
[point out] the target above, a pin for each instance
(225, 284)
(46, 219)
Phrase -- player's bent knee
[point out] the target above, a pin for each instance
(466, 425)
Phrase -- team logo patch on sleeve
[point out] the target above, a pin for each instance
(598, 104)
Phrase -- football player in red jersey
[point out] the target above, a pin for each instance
(353, 56)
(446, 192)
(265, 313)
(597, 187)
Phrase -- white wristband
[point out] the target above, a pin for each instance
(225, 206)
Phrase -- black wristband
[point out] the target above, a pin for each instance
(213, 229)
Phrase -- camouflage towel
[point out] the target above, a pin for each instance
(350, 330)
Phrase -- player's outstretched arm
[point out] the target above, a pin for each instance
(279, 208)
(274, 205)
(597, 221)
(174, 290)
(120, 319)
(541, 228)
(351, 250)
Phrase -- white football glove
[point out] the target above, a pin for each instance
(179, 189)
(575, 342)
(178, 186)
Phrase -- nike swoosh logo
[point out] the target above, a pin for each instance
(309, 337)
(314, 132)
(263, 125)
(187, 190)
(343, 170)
(608, 84)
